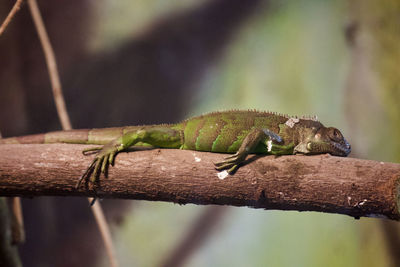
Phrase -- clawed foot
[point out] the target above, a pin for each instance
(231, 163)
(105, 157)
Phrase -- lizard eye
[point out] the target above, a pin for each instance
(336, 134)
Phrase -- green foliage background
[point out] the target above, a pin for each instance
(292, 58)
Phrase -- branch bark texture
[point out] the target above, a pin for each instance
(305, 183)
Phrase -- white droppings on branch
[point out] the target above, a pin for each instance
(196, 158)
(222, 175)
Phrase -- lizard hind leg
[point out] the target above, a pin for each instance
(105, 156)
(157, 136)
(250, 142)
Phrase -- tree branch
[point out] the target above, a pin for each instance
(305, 183)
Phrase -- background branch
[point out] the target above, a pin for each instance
(65, 120)
(51, 65)
(305, 183)
(10, 16)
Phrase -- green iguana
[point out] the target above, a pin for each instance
(237, 132)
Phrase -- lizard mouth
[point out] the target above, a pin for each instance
(342, 148)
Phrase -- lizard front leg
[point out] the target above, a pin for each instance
(249, 144)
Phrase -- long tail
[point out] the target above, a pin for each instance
(80, 136)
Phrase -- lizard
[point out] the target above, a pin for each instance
(238, 132)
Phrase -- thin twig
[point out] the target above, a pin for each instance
(51, 65)
(104, 229)
(17, 227)
(9, 223)
(8, 252)
(10, 16)
(17, 222)
(65, 121)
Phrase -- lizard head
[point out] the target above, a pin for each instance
(324, 140)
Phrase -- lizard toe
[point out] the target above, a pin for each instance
(233, 169)
(223, 166)
(97, 170)
(91, 150)
(85, 176)
(104, 164)
(232, 156)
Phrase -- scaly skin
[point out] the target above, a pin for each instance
(236, 132)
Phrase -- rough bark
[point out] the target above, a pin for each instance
(322, 183)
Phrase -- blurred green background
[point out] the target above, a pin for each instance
(293, 60)
(306, 57)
